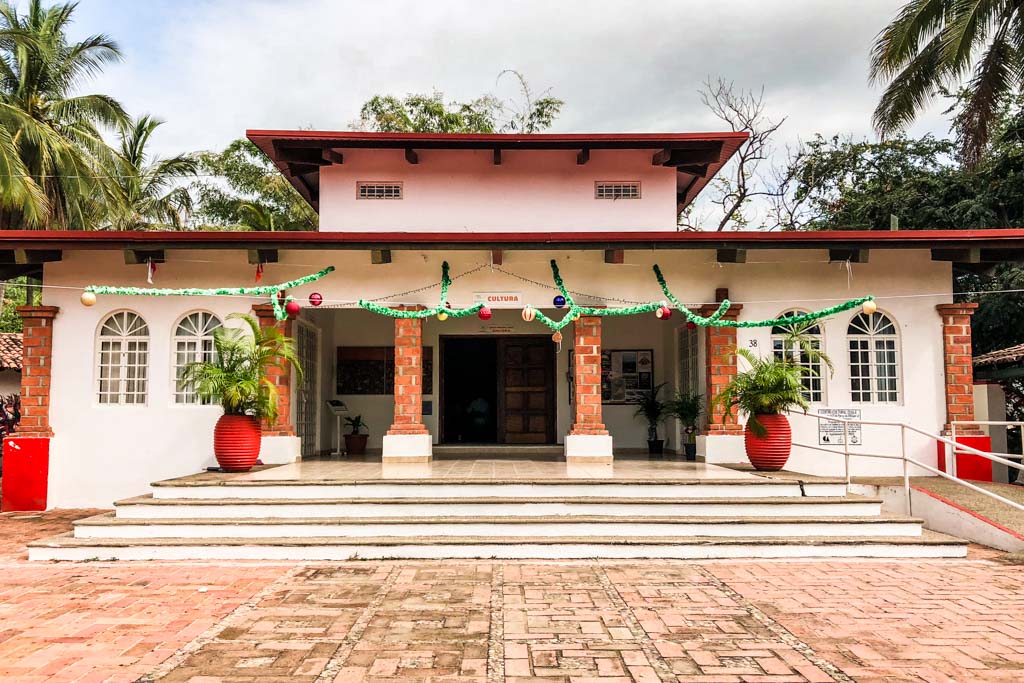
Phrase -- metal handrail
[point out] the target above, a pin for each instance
(906, 460)
(981, 423)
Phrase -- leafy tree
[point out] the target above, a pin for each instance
(144, 192)
(13, 296)
(50, 134)
(249, 193)
(934, 44)
(429, 113)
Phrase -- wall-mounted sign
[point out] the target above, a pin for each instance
(497, 329)
(499, 299)
(831, 433)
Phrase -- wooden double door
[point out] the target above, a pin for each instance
(506, 393)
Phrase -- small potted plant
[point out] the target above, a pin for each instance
(652, 409)
(355, 440)
(236, 378)
(686, 408)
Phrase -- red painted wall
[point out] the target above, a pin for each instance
(968, 465)
(26, 466)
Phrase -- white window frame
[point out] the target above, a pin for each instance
(136, 334)
(202, 350)
(815, 385)
(360, 184)
(870, 339)
(611, 184)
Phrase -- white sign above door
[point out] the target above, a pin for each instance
(499, 299)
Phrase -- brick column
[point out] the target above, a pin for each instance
(587, 377)
(281, 377)
(36, 354)
(720, 365)
(27, 452)
(588, 441)
(959, 369)
(408, 440)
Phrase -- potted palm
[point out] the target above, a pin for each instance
(236, 378)
(355, 440)
(686, 408)
(652, 409)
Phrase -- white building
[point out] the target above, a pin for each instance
(98, 427)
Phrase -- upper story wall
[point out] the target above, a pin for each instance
(464, 190)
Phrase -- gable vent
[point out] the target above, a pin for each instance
(616, 190)
(378, 190)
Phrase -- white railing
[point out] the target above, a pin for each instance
(907, 460)
(982, 423)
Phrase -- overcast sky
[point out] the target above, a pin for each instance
(213, 68)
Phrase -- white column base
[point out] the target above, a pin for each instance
(280, 450)
(400, 448)
(718, 449)
(588, 448)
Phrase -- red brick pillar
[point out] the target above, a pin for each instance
(281, 377)
(587, 377)
(720, 368)
(959, 369)
(27, 453)
(36, 359)
(408, 377)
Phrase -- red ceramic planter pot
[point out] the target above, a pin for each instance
(770, 452)
(236, 442)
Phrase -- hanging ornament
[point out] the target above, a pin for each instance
(690, 325)
(559, 301)
(88, 299)
(292, 308)
(150, 270)
(442, 316)
(870, 306)
(259, 271)
(484, 313)
(663, 312)
(529, 314)
(315, 299)
(557, 337)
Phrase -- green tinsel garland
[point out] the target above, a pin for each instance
(715, 321)
(442, 307)
(259, 290)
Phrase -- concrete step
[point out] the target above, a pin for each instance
(109, 526)
(149, 507)
(449, 489)
(66, 547)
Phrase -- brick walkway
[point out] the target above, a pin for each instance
(517, 621)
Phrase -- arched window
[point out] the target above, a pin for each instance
(874, 359)
(786, 344)
(123, 359)
(193, 341)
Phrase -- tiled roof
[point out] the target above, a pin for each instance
(1012, 354)
(10, 351)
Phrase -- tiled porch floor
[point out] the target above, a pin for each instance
(495, 469)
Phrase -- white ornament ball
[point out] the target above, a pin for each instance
(870, 306)
(88, 299)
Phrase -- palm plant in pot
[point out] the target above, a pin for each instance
(652, 409)
(687, 407)
(235, 376)
(355, 440)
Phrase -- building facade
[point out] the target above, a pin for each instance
(104, 414)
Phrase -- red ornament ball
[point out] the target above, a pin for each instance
(315, 299)
(292, 308)
(484, 313)
(691, 325)
(663, 312)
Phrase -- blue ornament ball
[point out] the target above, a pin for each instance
(559, 301)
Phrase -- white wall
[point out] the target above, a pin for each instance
(534, 191)
(101, 453)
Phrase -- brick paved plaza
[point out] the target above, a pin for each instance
(517, 621)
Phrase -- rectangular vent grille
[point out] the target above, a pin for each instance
(617, 190)
(379, 190)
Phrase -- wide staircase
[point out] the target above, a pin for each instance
(211, 517)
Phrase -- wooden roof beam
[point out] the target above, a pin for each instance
(411, 156)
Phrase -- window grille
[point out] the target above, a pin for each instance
(617, 190)
(123, 360)
(874, 359)
(785, 346)
(379, 190)
(193, 342)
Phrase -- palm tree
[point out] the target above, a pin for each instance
(932, 46)
(54, 132)
(143, 192)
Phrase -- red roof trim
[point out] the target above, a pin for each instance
(13, 239)
(643, 140)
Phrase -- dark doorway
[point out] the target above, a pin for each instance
(497, 390)
(469, 384)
